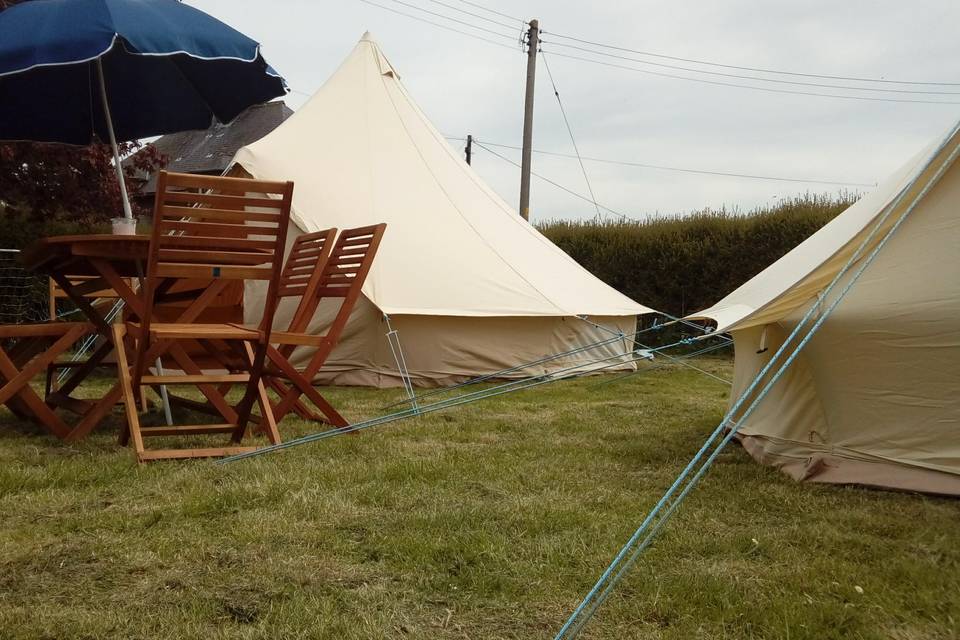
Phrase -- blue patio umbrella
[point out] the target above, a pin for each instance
(75, 71)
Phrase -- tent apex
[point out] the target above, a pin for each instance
(385, 67)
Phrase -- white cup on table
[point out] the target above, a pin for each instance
(124, 226)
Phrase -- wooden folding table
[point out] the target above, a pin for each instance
(112, 262)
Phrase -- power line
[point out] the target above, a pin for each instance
(556, 184)
(437, 24)
(744, 86)
(755, 78)
(727, 174)
(744, 68)
(446, 17)
(493, 11)
(475, 15)
(570, 131)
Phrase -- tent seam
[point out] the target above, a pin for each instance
(492, 197)
(457, 209)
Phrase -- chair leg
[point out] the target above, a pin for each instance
(300, 385)
(126, 385)
(268, 425)
(301, 409)
(251, 395)
(27, 398)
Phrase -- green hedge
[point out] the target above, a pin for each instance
(683, 264)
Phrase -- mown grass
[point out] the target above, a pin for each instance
(487, 521)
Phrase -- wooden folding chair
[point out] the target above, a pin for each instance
(25, 351)
(299, 279)
(226, 230)
(341, 276)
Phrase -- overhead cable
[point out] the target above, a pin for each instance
(846, 87)
(494, 11)
(745, 68)
(563, 112)
(744, 86)
(451, 19)
(442, 26)
(643, 165)
(556, 184)
(475, 15)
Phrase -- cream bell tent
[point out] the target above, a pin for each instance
(469, 286)
(874, 398)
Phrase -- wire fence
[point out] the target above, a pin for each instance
(23, 294)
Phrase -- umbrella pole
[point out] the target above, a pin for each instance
(127, 212)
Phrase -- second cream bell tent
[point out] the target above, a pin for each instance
(469, 286)
(874, 398)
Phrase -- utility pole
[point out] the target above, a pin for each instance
(533, 42)
(469, 148)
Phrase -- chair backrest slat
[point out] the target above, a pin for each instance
(347, 270)
(317, 268)
(302, 271)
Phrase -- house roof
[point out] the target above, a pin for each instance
(210, 150)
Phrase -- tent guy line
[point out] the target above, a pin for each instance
(631, 551)
(566, 373)
(649, 349)
(687, 356)
(502, 372)
(616, 336)
(501, 389)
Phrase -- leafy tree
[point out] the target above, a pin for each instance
(48, 188)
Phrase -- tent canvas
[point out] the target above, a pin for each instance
(470, 287)
(873, 398)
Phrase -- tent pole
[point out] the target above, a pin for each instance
(127, 213)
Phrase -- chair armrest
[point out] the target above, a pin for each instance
(297, 339)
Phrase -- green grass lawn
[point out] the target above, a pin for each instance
(486, 521)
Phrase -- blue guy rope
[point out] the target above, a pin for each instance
(628, 555)
(507, 387)
(688, 356)
(513, 369)
(393, 338)
(681, 361)
(619, 335)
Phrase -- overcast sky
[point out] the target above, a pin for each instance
(466, 85)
